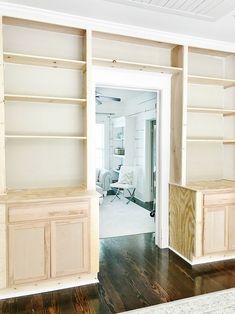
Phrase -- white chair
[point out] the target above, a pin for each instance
(125, 182)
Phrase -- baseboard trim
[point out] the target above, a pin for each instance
(205, 259)
(47, 286)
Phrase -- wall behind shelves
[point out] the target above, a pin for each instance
(39, 163)
(208, 160)
(42, 43)
(229, 122)
(112, 49)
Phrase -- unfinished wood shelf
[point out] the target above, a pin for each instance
(43, 61)
(45, 99)
(225, 112)
(216, 140)
(204, 80)
(212, 140)
(44, 137)
(229, 141)
(135, 65)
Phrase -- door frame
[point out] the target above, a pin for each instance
(155, 82)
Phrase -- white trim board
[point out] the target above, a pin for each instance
(128, 79)
(31, 13)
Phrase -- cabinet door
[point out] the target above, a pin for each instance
(231, 230)
(29, 257)
(69, 247)
(215, 229)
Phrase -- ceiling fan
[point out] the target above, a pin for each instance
(101, 98)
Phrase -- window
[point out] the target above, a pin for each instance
(99, 145)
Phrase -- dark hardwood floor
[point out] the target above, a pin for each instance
(133, 274)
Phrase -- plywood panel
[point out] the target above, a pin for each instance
(182, 220)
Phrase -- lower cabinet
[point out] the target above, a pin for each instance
(231, 224)
(29, 253)
(69, 247)
(219, 232)
(215, 229)
(40, 250)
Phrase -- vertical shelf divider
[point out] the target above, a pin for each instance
(90, 116)
(2, 118)
(179, 57)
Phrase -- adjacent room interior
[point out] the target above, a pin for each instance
(126, 160)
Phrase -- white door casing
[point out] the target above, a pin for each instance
(148, 81)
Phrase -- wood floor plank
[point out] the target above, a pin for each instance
(134, 273)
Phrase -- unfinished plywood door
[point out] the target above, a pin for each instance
(231, 231)
(69, 247)
(215, 229)
(29, 258)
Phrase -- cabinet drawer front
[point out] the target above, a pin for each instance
(46, 211)
(219, 199)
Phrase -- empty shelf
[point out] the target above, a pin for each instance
(135, 65)
(43, 61)
(219, 140)
(204, 80)
(45, 136)
(211, 110)
(45, 99)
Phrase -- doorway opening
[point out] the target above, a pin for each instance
(126, 160)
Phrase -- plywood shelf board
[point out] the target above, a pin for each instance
(223, 141)
(43, 61)
(205, 80)
(222, 184)
(44, 99)
(205, 140)
(46, 194)
(43, 26)
(135, 65)
(16, 136)
(211, 110)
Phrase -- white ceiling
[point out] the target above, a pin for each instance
(210, 10)
(144, 16)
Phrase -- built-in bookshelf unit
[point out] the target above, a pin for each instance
(48, 202)
(210, 136)
(45, 100)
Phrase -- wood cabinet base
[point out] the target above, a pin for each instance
(202, 221)
(48, 285)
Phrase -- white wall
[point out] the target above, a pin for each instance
(141, 109)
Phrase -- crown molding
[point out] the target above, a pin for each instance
(32, 13)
